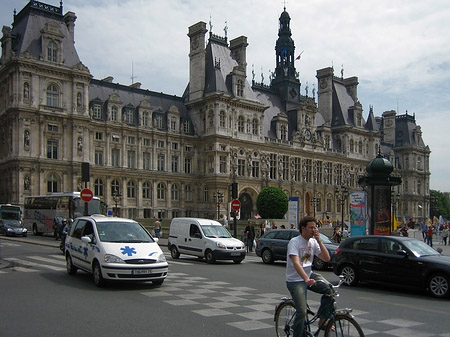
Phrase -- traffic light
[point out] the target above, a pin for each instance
(234, 190)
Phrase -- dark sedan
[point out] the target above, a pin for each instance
(12, 228)
(272, 246)
(395, 260)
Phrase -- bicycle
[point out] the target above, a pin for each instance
(340, 323)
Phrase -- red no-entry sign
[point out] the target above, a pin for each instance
(236, 205)
(86, 195)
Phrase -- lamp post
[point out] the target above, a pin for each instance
(218, 198)
(116, 197)
(314, 202)
(341, 196)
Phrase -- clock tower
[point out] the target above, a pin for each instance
(285, 82)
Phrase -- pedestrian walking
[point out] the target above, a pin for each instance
(445, 235)
(250, 236)
(430, 236)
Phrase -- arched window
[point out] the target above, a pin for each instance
(175, 192)
(52, 183)
(131, 189)
(52, 95)
(146, 190)
(98, 187)
(115, 187)
(52, 52)
(161, 191)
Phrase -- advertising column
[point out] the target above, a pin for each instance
(358, 213)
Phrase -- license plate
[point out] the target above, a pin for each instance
(235, 254)
(141, 271)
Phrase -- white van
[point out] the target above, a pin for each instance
(204, 238)
(114, 249)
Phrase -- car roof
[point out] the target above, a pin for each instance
(104, 218)
(399, 238)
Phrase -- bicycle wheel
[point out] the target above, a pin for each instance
(344, 326)
(284, 318)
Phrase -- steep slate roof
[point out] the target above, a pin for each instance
(217, 77)
(134, 96)
(342, 101)
(27, 29)
(405, 126)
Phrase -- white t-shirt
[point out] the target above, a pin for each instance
(305, 250)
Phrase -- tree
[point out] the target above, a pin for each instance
(439, 205)
(272, 203)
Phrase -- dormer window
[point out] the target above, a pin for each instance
(52, 52)
(97, 111)
(114, 113)
(240, 88)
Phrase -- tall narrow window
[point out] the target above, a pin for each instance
(222, 119)
(130, 116)
(161, 160)
(52, 183)
(52, 149)
(255, 127)
(240, 88)
(52, 52)
(187, 165)
(97, 111)
(99, 157)
(115, 187)
(161, 191)
(131, 159)
(146, 190)
(174, 192)
(188, 193)
(114, 113)
(175, 164)
(115, 157)
(186, 127)
(241, 124)
(146, 161)
(98, 187)
(52, 95)
(131, 189)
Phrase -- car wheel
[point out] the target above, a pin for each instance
(174, 252)
(350, 275)
(237, 261)
(438, 285)
(158, 282)
(267, 256)
(71, 269)
(99, 281)
(209, 256)
(318, 263)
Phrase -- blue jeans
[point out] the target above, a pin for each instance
(298, 294)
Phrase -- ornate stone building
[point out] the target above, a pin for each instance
(160, 155)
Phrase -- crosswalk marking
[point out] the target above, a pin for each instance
(33, 264)
(45, 259)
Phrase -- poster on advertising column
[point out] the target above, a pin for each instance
(381, 210)
(358, 213)
(293, 212)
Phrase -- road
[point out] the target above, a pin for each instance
(38, 299)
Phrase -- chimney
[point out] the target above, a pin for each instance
(197, 64)
(238, 48)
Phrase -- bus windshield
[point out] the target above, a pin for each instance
(9, 212)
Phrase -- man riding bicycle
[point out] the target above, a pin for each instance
(299, 275)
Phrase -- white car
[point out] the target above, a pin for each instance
(114, 249)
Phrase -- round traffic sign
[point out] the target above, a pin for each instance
(236, 205)
(86, 195)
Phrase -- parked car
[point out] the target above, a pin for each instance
(113, 248)
(397, 260)
(12, 228)
(272, 246)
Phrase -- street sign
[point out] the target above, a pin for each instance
(236, 205)
(86, 195)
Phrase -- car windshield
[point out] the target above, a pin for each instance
(215, 232)
(12, 223)
(122, 232)
(419, 248)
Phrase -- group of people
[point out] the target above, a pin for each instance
(441, 230)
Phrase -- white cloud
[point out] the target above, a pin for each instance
(398, 49)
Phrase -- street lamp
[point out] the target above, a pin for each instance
(116, 197)
(341, 196)
(218, 199)
(314, 202)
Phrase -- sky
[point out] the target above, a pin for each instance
(398, 49)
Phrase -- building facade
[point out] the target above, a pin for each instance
(158, 155)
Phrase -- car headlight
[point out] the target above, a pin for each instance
(24, 230)
(10, 229)
(161, 258)
(109, 258)
(221, 245)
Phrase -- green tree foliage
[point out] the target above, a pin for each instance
(440, 204)
(272, 203)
